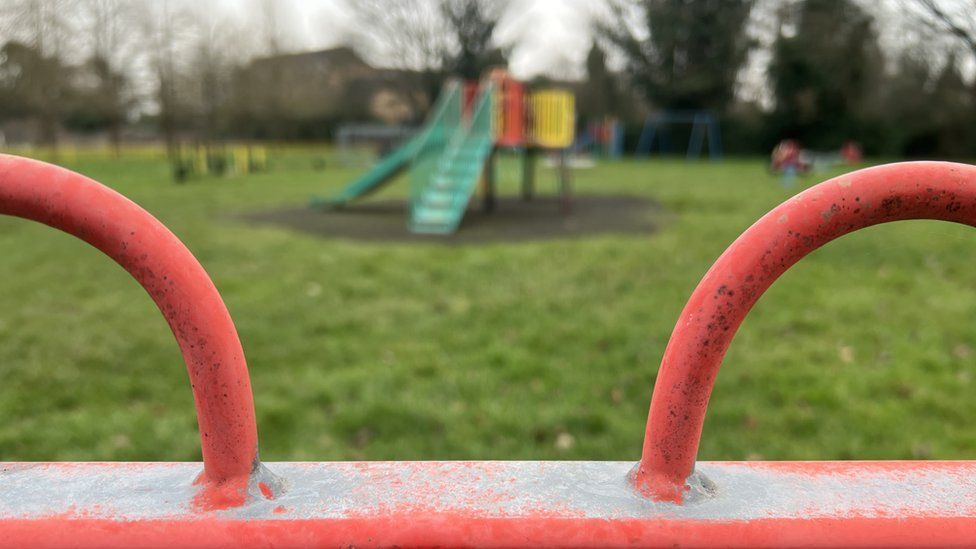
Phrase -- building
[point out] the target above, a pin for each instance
(327, 88)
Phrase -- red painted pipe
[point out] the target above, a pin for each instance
(912, 190)
(175, 281)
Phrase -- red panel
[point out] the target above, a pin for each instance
(512, 103)
(469, 92)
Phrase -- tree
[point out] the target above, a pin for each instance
(211, 69)
(25, 75)
(825, 70)
(407, 35)
(957, 18)
(110, 64)
(43, 27)
(472, 25)
(684, 54)
(598, 96)
(908, 101)
(167, 30)
(951, 111)
(429, 39)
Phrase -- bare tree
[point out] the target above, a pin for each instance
(216, 55)
(270, 27)
(167, 30)
(957, 18)
(268, 103)
(112, 61)
(406, 35)
(44, 26)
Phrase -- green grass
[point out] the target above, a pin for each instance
(532, 350)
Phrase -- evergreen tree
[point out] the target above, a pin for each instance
(825, 73)
(599, 94)
(472, 24)
(692, 52)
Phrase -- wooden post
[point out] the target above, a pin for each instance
(490, 183)
(528, 173)
(565, 188)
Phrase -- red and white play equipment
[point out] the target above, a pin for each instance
(667, 499)
(790, 158)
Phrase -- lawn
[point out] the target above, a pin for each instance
(543, 349)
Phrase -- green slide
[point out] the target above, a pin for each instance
(446, 112)
(446, 160)
(387, 168)
(445, 174)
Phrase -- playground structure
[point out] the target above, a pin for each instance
(704, 128)
(789, 159)
(603, 137)
(667, 499)
(457, 146)
(203, 160)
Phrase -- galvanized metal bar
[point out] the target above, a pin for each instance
(912, 190)
(494, 504)
(180, 288)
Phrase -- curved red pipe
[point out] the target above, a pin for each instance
(176, 282)
(911, 190)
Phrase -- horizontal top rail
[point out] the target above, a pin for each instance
(178, 285)
(501, 504)
(893, 192)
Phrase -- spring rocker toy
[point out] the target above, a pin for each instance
(667, 499)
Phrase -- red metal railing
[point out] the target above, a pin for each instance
(176, 282)
(668, 500)
(894, 192)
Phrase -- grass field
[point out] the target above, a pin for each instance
(529, 350)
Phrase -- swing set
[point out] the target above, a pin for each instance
(704, 129)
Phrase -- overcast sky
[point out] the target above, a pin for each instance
(549, 36)
(552, 37)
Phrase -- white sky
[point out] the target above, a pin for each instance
(550, 36)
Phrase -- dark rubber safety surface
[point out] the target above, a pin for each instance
(513, 220)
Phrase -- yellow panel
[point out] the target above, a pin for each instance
(553, 118)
